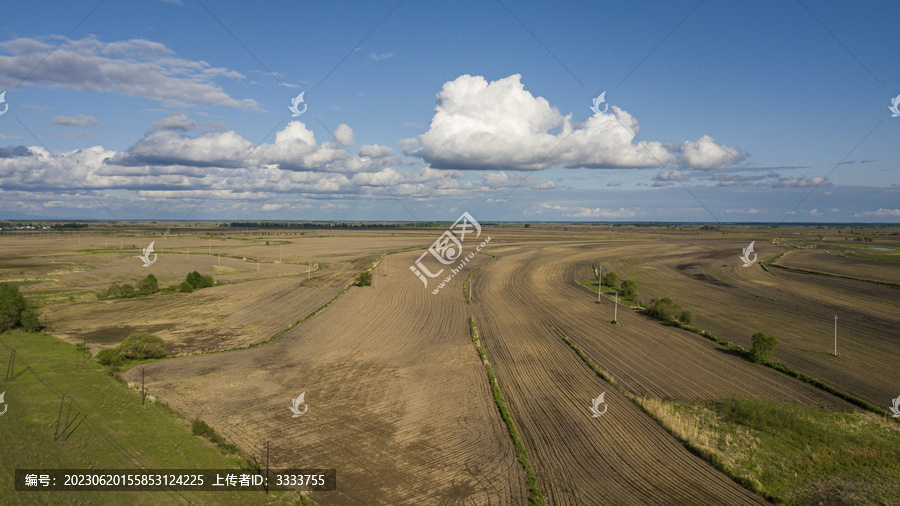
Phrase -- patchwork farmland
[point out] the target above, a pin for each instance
(481, 393)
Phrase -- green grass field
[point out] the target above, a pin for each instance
(117, 433)
(790, 453)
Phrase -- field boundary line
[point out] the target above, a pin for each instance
(888, 284)
(535, 497)
(471, 276)
(707, 456)
(298, 322)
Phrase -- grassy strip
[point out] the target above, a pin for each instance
(701, 452)
(791, 453)
(765, 263)
(200, 428)
(471, 275)
(839, 276)
(307, 317)
(534, 491)
(276, 335)
(605, 376)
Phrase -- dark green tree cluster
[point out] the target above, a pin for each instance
(138, 346)
(15, 311)
(667, 309)
(195, 281)
(147, 286)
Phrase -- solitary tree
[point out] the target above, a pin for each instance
(629, 288)
(763, 346)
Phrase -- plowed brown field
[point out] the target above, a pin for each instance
(622, 457)
(399, 402)
(646, 357)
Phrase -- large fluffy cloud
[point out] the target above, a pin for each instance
(135, 68)
(705, 154)
(499, 125)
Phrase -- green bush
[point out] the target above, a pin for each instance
(686, 317)
(629, 288)
(364, 279)
(762, 347)
(200, 428)
(197, 281)
(664, 308)
(185, 287)
(110, 356)
(610, 279)
(142, 345)
(138, 346)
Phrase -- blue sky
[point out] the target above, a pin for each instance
(717, 111)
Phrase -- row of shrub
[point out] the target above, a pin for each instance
(15, 311)
(149, 285)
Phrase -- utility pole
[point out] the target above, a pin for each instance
(385, 262)
(600, 284)
(281, 253)
(616, 313)
(257, 264)
(308, 269)
(835, 335)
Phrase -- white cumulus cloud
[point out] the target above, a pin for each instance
(500, 125)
